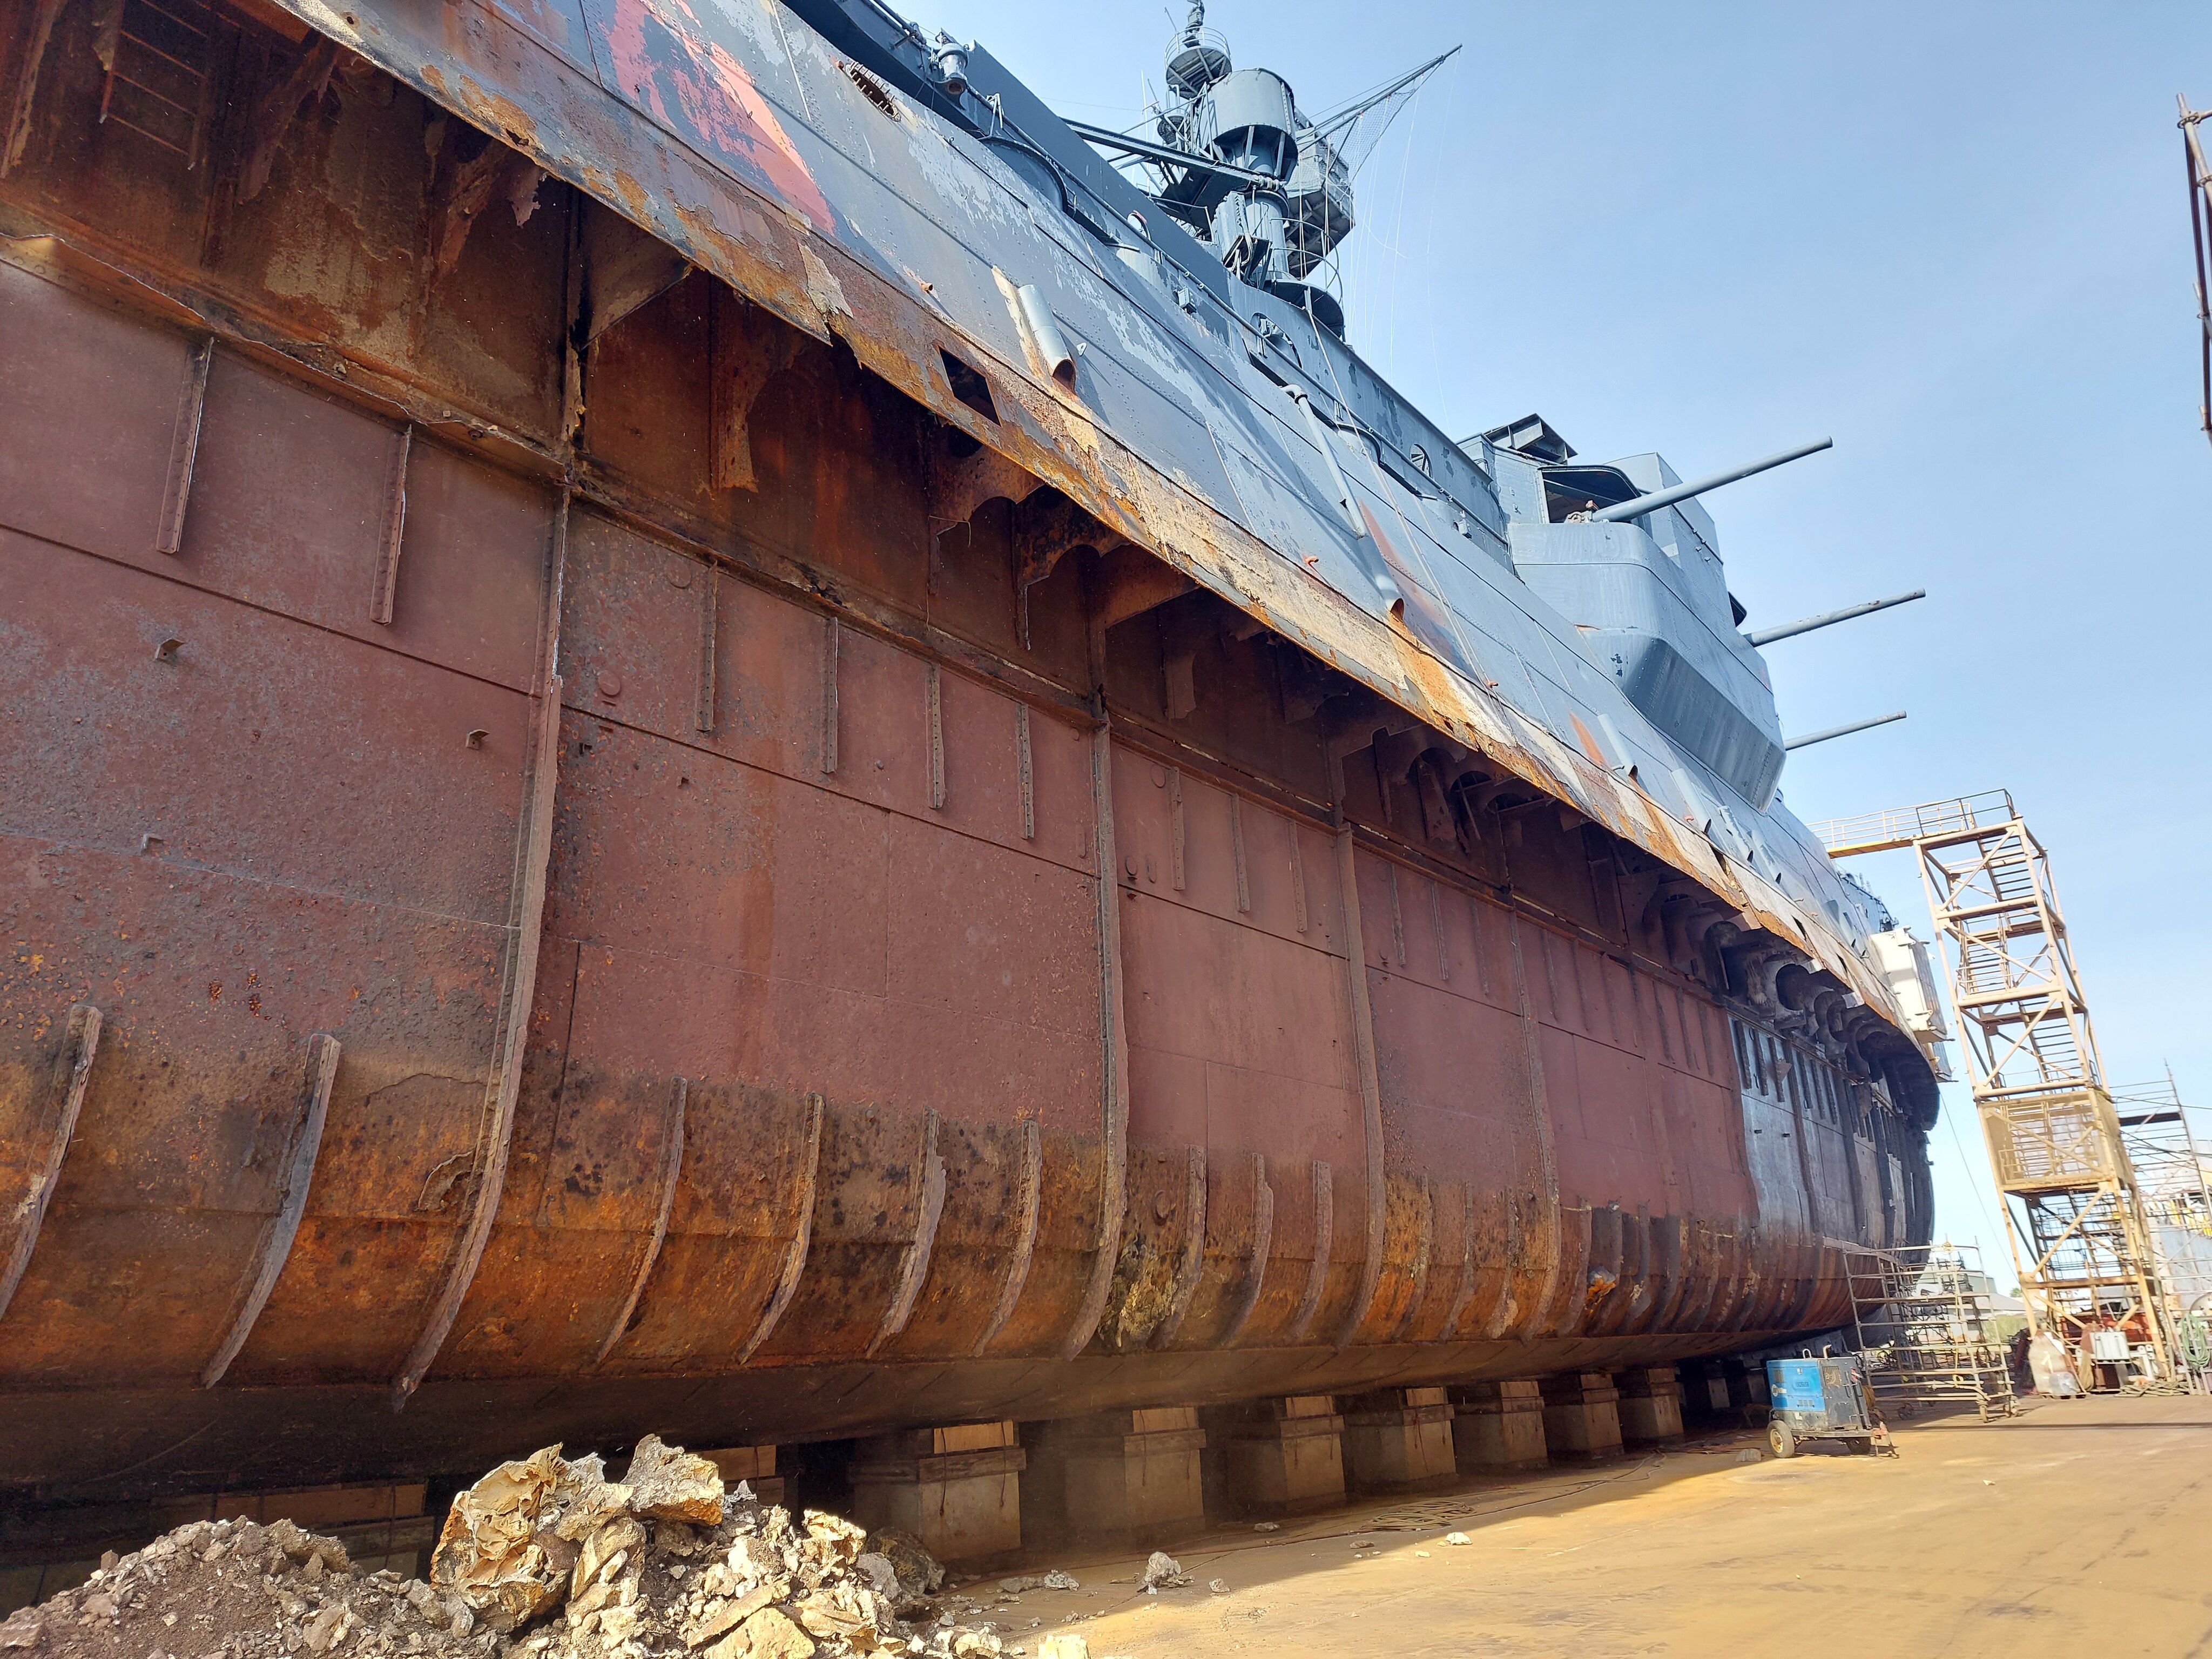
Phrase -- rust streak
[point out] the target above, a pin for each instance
(1474, 932)
(1397, 917)
(1424, 1241)
(1176, 826)
(386, 588)
(321, 1069)
(1263, 1238)
(462, 191)
(1370, 1082)
(1194, 1248)
(1017, 1267)
(574, 320)
(525, 924)
(1324, 1207)
(795, 1261)
(27, 90)
(1436, 921)
(744, 356)
(279, 107)
(1463, 1297)
(1507, 1308)
(709, 638)
(1113, 1090)
(1539, 1113)
(913, 1261)
(672, 1166)
(1026, 767)
(184, 449)
(1236, 852)
(72, 1071)
(934, 703)
(829, 643)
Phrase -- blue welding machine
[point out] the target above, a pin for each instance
(1825, 1399)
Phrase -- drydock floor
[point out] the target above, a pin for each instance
(2080, 1527)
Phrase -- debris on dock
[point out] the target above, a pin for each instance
(545, 1558)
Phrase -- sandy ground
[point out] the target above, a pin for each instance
(2079, 1527)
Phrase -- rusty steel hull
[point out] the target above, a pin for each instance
(577, 857)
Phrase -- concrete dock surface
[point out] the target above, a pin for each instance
(2078, 1527)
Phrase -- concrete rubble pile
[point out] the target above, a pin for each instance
(543, 1559)
(241, 1590)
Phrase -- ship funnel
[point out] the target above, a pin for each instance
(1667, 497)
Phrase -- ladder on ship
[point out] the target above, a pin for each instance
(2080, 1236)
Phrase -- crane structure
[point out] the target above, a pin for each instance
(2200, 237)
(2081, 1236)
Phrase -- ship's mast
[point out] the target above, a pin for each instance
(1266, 189)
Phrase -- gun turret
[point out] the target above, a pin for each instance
(1811, 738)
(1791, 630)
(1682, 492)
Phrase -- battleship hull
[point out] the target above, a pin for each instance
(597, 837)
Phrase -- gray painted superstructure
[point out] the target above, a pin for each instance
(1624, 632)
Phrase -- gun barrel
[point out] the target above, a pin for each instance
(1842, 730)
(1682, 492)
(1791, 630)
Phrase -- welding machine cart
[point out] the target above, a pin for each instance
(1824, 1399)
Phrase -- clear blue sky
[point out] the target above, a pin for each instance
(1955, 237)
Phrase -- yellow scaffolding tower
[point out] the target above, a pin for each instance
(2079, 1235)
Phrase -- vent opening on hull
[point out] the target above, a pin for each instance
(969, 386)
(873, 91)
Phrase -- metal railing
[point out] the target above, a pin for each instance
(1879, 832)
